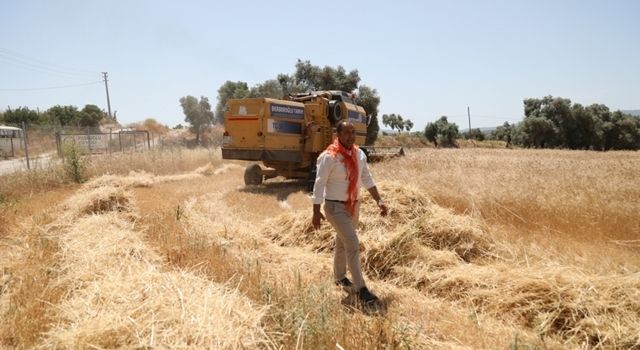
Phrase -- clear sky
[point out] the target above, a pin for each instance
(425, 58)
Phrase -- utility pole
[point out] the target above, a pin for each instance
(106, 86)
(469, 115)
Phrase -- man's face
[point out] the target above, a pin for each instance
(347, 135)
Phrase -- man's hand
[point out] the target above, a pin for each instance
(376, 196)
(317, 217)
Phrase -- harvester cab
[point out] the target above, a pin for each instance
(288, 134)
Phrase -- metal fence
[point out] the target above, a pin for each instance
(96, 142)
(29, 145)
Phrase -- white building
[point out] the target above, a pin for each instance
(11, 139)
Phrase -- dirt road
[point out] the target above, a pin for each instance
(20, 164)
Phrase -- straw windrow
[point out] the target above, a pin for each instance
(119, 295)
(600, 310)
(437, 229)
(145, 179)
(451, 256)
(295, 229)
(542, 257)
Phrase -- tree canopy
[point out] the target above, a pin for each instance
(369, 100)
(229, 90)
(474, 134)
(89, 116)
(443, 132)
(197, 113)
(19, 115)
(397, 122)
(270, 88)
(556, 122)
(502, 133)
(311, 77)
(307, 77)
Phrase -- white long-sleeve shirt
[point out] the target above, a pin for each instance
(331, 177)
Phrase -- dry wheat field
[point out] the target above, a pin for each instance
(482, 249)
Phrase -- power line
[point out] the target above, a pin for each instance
(53, 87)
(29, 62)
(483, 117)
(38, 69)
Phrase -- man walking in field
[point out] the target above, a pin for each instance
(341, 170)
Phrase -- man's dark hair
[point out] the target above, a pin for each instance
(341, 125)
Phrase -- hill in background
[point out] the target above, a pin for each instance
(485, 130)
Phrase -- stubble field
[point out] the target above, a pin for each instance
(483, 248)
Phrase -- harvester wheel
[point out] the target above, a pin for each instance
(253, 175)
(337, 112)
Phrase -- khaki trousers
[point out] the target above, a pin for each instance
(347, 250)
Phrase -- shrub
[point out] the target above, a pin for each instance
(75, 162)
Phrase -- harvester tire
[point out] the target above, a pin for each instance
(253, 175)
(337, 112)
(330, 115)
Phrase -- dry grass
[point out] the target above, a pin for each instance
(567, 194)
(453, 257)
(303, 308)
(411, 140)
(159, 162)
(404, 140)
(482, 249)
(41, 141)
(119, 296)
(26, 292)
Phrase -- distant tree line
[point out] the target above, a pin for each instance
(443, 133)
(474, 134)
(306, 77)
(89, 116)
(554, 122)
(397, 122)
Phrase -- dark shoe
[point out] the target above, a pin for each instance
(366, 296)
(346, 285)
(345, 282)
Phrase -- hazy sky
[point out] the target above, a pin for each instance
(425, 58)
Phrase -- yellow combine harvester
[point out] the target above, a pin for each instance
(288, 134)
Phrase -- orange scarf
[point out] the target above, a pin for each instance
(351, 163)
